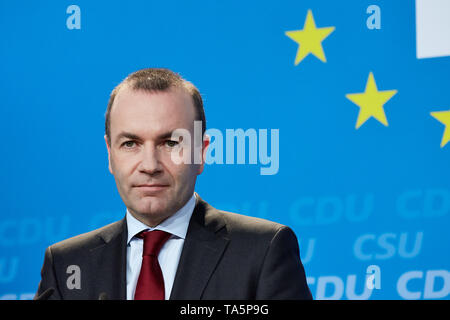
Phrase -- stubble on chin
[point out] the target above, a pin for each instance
(151, 213)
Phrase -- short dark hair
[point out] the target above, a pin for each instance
(156, 80)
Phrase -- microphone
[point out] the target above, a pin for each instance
(103, 296)
(46, 294)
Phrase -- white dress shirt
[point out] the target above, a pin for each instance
(170, 253)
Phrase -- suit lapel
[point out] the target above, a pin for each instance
(109, 262)
(202, 250)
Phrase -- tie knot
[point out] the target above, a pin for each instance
(153, 241)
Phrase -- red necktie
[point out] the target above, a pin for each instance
(150, 285)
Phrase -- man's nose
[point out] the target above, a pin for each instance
(150, 162)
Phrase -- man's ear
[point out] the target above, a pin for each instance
(205, 145)
(109, 154)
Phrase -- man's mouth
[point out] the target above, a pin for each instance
(152, 187)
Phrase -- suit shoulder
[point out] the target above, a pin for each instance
(258, 227)
(236, 223)
(253, 237)
(89, 239)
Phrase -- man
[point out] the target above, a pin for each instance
(171, 243)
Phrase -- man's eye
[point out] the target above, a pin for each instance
(128, 144)
(171, 143)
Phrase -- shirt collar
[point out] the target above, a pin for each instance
(177, 224)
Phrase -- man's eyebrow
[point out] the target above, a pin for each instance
(166, 135)
(129, 135)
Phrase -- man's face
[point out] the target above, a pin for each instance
(140, 152)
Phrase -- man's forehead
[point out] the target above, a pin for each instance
(139, 114)
(146, 130)
(175, 101)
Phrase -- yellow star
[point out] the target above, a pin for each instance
(310, 39)
(443, 117)
(371, 102)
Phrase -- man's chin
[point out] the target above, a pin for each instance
(153, 210)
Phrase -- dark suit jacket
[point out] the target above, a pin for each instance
(225, 256)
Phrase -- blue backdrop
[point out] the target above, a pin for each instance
(375, 195)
